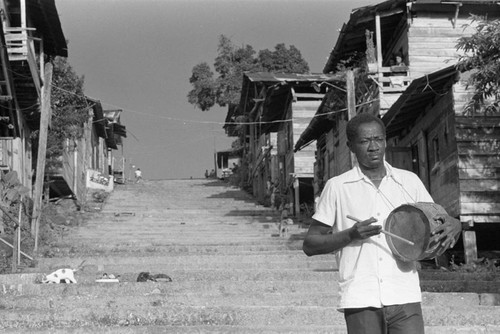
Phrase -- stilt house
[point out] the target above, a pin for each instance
(30, 33)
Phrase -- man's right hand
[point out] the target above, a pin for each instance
(364, 229)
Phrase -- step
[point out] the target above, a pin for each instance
(254, 329)
(183, 315)
(148, 247)
(197, 275)
(188, 287)
(227, 262)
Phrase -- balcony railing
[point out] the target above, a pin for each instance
(21, 47)
(394, 79)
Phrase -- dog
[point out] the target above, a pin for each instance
(62, 275)
(147, 277)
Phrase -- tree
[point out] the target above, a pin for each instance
(283, 60)
(482, 57)
(203, 94)
(230, 64)
(69, 109)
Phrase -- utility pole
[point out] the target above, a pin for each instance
(351, 102)
(42, 150)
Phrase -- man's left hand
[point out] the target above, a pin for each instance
(447, 233)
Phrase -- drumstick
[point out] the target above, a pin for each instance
(386, 232)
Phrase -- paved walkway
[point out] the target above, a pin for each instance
(231, 272)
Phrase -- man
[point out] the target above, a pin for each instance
(379, 294)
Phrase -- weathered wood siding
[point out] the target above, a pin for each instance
(74, 167)
(434, 136)
(478, 140)
(432, 41)
(303, 112)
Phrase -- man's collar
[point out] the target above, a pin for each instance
(357, 175)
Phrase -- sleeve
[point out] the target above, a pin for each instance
(327, 204)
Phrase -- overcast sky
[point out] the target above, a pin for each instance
(137, 55)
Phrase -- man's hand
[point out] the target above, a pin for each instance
(364, 229)
(447, 233)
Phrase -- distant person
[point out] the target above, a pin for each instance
(206, 173)
(398, 65)
(138, 175)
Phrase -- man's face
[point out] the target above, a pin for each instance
(369, 145)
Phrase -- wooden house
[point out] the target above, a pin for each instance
(30, 34)
(276, 108)
(423, 32)
(115, 131)
(422, 106)
(225, 162)
(457, 155)
(83, 160)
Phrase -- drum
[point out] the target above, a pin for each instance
(413, 222)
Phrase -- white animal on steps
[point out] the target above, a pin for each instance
(60, 275)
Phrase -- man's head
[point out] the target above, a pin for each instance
(366, 139)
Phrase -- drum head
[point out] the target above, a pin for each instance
(411, 223)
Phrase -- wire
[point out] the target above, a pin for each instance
(223, 123)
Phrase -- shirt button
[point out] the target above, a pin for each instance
(378, 213)
(380, 259)
(381, 281)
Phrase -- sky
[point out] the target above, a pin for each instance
(137, 55)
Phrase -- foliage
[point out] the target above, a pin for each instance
(283, 60)
(11, 195)
(69, 109)
(11, 192)
(203, 94)
(482, 57)
(230, 64)
(481, 265)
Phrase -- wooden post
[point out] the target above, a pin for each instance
(351, 102)
(378, 37)
(296, 188)
(42, 150)
(15, 248)
(470, 248)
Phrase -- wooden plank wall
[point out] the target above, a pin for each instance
(441, 177)
(432, 41)
(303, 112)
(478, 140)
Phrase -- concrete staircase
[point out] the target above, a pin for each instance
(231, 273)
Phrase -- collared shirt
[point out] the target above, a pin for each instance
(370, 276)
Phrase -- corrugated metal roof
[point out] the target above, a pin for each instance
(286, 77)
(352, 41)
(278, 86)
(416, 97)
